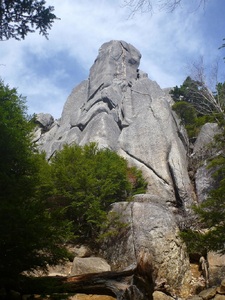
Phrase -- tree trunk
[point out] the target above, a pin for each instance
(116, 284)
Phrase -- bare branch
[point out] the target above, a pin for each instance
(204, 100)
(170, 5)
(144, 6)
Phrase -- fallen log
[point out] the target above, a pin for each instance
(113, 284)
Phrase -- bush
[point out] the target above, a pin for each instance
(86, 181)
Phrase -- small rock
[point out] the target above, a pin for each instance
(221, 289)
(157, 295)
(208, 294)
(91, 297)
(219, 297)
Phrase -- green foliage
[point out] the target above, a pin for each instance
(138, 183)
(195, 241)
(87, 180)
(211, 216)
(195, 105)
(184, 98)
(186, 112)
(188, 92)
(220, 94)
(18, 18)
(30, 236)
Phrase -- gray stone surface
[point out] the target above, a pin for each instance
(151, 241)
(120, 108)
(45, 120)
(157, 295)
(204, 181)
(88, 265)
(216, 269)
(208, 294)
(205, 137)
(81, 251)
(44, 123)
(203, 150)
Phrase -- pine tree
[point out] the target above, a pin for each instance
(30, 236)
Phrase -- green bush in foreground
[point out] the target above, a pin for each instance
(86, 181)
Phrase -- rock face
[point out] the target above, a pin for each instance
(151, 242)
(205, 137)
(120, 108)
(216, 268)
(204, 180)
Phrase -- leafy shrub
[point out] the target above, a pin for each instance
(86, 181)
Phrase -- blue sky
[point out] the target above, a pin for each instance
(46, 71)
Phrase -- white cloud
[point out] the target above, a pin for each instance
(167, 42)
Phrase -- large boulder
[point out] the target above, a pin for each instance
(204, 181)
(120, 108)
(149, 240)
(88, 265)
(203, 150)
(205, 137)
(216, 263)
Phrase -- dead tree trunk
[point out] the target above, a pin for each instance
(116, 284)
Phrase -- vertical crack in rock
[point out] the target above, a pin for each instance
(132, 230)
(179, 201)
(155, 116)
(124, 69)
(127, 108)
(147, 166)
(180, 135)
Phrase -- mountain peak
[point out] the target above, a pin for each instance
(116, 61)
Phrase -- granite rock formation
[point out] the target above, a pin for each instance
(119, 107)
(151, 243)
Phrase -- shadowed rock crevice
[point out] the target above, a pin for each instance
(179, 201)
(104, 100)
(132, 228)
(95, 92)
(180, 132)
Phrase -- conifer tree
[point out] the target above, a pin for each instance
(30, 236)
